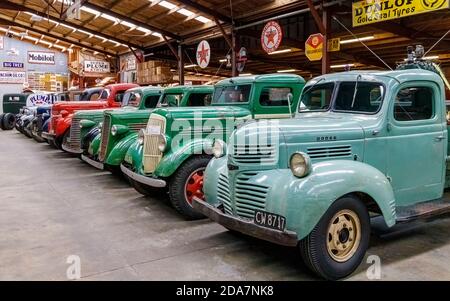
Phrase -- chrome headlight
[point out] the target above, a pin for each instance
(141, 136)
(162, 144)
(219, 148)
(114, 130)
(300, 164)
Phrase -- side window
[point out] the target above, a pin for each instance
(95, 96)
(414, 103)
(274, 97)
(151, 101)
(198, 99)
(119, 96)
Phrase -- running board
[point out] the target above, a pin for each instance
(426, 211)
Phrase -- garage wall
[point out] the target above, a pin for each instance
(19, 55)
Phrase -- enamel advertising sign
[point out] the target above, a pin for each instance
(41, 57)
(314, 47)
(271, 36)
(371, 11)
(203, 54)
(96, 67)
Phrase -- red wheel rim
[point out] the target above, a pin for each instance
(194, 186)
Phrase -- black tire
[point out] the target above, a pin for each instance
(9, 121)
(148, 190)
(177, 186)
(26, 130)
(63, 140)
(1, 120)
(52, 143)
(314, 250)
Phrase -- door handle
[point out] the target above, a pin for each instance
(439, 138)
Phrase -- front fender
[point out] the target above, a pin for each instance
(118, 152)
(94, 146)
(63, 125)
(176, 156)
(304, 201)
(134, 157)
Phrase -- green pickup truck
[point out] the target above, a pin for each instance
(175, 148)
(120, 127)
(362, 144)
(85, 124)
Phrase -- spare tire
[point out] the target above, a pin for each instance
(9, 121)
(1, 121)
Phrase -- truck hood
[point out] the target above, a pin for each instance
(305, 129)
(90, 113)
(130, 113)
(71, 106)
(203, 112)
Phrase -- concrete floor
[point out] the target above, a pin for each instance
(53, 206)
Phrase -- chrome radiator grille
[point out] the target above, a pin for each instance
(135, 127)
(75, 139)
(223, 193)
(152, 155)
(248, 195)
(105, 137)
(255, 154)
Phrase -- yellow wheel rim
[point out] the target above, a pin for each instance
(343, 235)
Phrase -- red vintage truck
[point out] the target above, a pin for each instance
(62, 112)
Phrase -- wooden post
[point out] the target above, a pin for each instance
(180, 65)
(326, 55)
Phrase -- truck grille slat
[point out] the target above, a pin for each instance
(330, 152)
(248, 196)
(224, 193)
(152, 155)
(254, 154)
(105, 137)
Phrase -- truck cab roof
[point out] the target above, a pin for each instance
(182, 89)
(375, 75)
(250, 79)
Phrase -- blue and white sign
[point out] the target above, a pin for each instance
(13, 65)
(35, 100)
(12, 77)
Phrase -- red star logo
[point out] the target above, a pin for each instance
(270, 35)
(203, 54)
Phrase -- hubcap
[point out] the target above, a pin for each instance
(194, 186)
(344, 235)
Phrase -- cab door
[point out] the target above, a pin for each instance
(416, 143)
(271, 101)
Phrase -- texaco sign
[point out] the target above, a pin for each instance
(203, 54)
(271, 36)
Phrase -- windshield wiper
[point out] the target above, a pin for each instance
(356, 90)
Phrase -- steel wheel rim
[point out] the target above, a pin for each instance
(343, 235)
(193, 187)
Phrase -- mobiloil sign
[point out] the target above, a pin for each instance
(366, 12)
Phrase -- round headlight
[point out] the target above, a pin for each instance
(141, 136)
(162, 145)
(114, 130)
(300, 164)
(218, 148)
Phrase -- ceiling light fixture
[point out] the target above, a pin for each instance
(281, 51)
(342, 66)
(357, 40)
(286, 70)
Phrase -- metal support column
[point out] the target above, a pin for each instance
(326, 54)
(234, 71)
(180, 65)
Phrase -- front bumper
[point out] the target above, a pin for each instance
(71, 150)
(48, 136)
(153, 182)
(285, 238)
(94, 163)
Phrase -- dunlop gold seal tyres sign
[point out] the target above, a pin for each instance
(371, 11)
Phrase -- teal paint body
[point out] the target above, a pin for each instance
(395, 163)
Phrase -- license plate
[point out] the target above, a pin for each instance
(270, 220)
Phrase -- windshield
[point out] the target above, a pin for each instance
(316, 98)
(131, 99)
(171, 100)
(231, 94)
(367, 99)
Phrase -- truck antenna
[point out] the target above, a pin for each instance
(354, 36)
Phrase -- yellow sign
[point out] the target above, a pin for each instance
(334, 45)
(371, 11)
(314, 47)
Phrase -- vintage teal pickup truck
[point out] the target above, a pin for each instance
(87, 122)
(175, 148)
(361, 144)
(120, 127)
